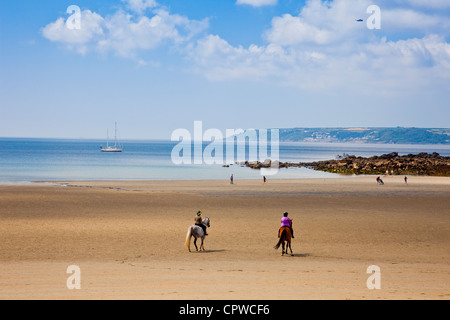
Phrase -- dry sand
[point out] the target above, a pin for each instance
(128, 239)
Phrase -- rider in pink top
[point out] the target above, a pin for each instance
(287, 222)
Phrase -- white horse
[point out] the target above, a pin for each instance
(196, 232)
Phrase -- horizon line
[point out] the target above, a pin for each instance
(168, 139)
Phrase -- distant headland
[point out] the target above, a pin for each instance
(398, 135)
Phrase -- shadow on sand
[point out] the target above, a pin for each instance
(298, 255)
(209, 251)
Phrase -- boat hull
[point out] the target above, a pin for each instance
(112, 150)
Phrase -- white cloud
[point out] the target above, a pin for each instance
(289, 30)
(324, 23)
(127, 35)
(218, 60)
(123, 33)
(319, 23)
(257, 3)
(429, 52)
(91, 30)
(407, 19)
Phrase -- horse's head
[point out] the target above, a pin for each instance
(206, 222)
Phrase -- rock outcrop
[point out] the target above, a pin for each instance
(423, 164)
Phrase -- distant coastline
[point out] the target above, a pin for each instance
(398, 135)
(355, 135)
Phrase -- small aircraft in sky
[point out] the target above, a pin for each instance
(359, 20)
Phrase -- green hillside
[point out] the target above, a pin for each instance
(397, 135)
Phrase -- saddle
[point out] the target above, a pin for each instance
(201, 225)
(288, 231)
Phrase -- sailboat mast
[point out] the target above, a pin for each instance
(115, 137)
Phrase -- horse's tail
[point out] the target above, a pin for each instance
(283, 235)
(188, 238)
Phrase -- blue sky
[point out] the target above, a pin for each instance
(159, 65)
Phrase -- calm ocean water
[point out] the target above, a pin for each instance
(24, 160)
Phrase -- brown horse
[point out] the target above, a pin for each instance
(285, 240)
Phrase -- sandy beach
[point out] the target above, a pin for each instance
(128, 239)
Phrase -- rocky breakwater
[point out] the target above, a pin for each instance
(423, 164)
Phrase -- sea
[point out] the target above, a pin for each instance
(25, 160)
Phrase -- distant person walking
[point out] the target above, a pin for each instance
(232, 179)
(264, 180)
(406, 180)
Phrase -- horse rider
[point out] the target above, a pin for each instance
(199, 222)
(286, 222)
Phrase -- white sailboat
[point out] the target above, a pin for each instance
(117, 147)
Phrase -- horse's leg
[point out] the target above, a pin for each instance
(202, 245)
(290, 248)
(195, 244)
(283, 249)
